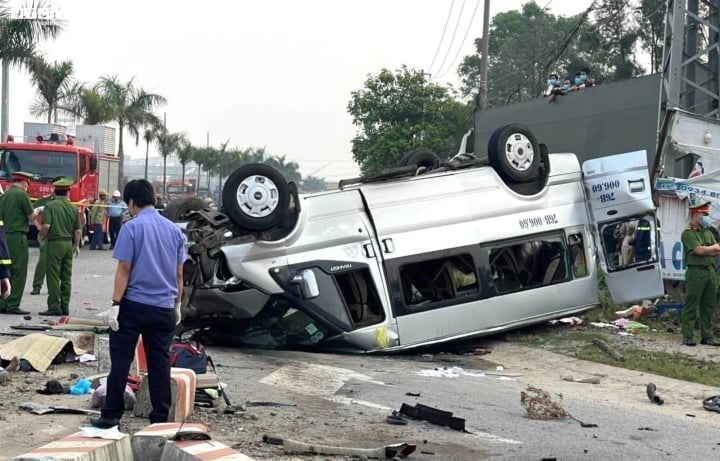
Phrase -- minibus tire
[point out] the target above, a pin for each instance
(506, 167)
(419, 158)
(271, 179)
(177, 209)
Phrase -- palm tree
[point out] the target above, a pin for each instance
(18, 42)
(185, 153)
(150, 135)
(131, 107)
(53, 82)
(167, 144)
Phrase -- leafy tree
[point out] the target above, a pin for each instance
(313, 184)
(614, 21)
(88, 104)
(650, 16)
(131, 107)
(149, 136)
(52, 82)
(290, 170)
(400, 112)
(525, 46)
(167, 144)
(18, 43)
(185, 153)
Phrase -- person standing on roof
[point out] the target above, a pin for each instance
(16, 211)
(97, 218)
(41, 266)
(61, 227)
(146, 301)
(701, 281)
(115, 209)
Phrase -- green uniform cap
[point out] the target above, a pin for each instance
(63, 183)
(22, 176)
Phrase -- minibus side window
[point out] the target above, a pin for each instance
(577, 255)
(361, 298)
(439, 279)
(531, 263)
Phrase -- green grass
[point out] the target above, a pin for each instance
(578, 344)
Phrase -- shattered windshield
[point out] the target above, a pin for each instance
(278, 325)
(43, 165)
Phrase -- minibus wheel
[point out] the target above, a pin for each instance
(179, 208)
(420, 158)
(256, 197)
(514, 153)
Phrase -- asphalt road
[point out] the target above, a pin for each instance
(362, 390)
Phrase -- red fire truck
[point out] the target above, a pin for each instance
(57, 155)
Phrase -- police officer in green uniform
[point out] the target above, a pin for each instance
(41, 266)
(17, 211)
(62, 230)
(701, 280)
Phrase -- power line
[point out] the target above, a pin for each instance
(467, 31)
(442, 37)
(452, 39)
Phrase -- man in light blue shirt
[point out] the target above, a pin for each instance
(146, 300)
(115, 209)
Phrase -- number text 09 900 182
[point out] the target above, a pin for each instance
(538, 221)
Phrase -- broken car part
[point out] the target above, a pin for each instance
(652, 395)
(433, 415)
(397, 450)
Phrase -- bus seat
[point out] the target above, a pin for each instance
(555, 270)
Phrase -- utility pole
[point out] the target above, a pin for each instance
(484, 61)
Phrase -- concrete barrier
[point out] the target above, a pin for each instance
(201, 450)
(182, 383)
(77, 448)
(148, 443)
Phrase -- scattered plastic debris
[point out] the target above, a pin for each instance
(568, 321)
(456, 372)
(652, 395)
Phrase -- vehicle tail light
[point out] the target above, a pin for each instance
(70, 141)
(10, 138)
(39, 139)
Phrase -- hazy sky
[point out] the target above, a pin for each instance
(273, 73)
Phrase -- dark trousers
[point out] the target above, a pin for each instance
(98, 237)
(114, 229)
(157, 326)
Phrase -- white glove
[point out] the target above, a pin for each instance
(76, 251)
(39, 209)
(111, 317)
(178, 314)
(4, 288)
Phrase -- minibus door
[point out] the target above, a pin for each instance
(622, 214)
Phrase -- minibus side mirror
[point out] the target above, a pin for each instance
(308, 284)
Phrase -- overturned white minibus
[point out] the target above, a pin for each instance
(428, 252)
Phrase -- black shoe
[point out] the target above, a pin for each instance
(49, 312)
(104, 423)
(689, 342)
(35, 291)
(709, 342)
(16, 312)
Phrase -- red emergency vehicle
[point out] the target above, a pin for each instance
(48, 158)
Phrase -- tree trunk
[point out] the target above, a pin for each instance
(147, 156)
(183, 181)
(164, 175)
(5, 104)
(50, 113)
(121, 155)
(197, 185)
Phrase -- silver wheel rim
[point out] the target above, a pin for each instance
(519, 151)
(258, 196)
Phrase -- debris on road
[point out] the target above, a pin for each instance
(568, 321)
(652, 395)
(433, 415)
(539, 405)
(591, 380)
(397, 450)
(605, 347)
(711, 404)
